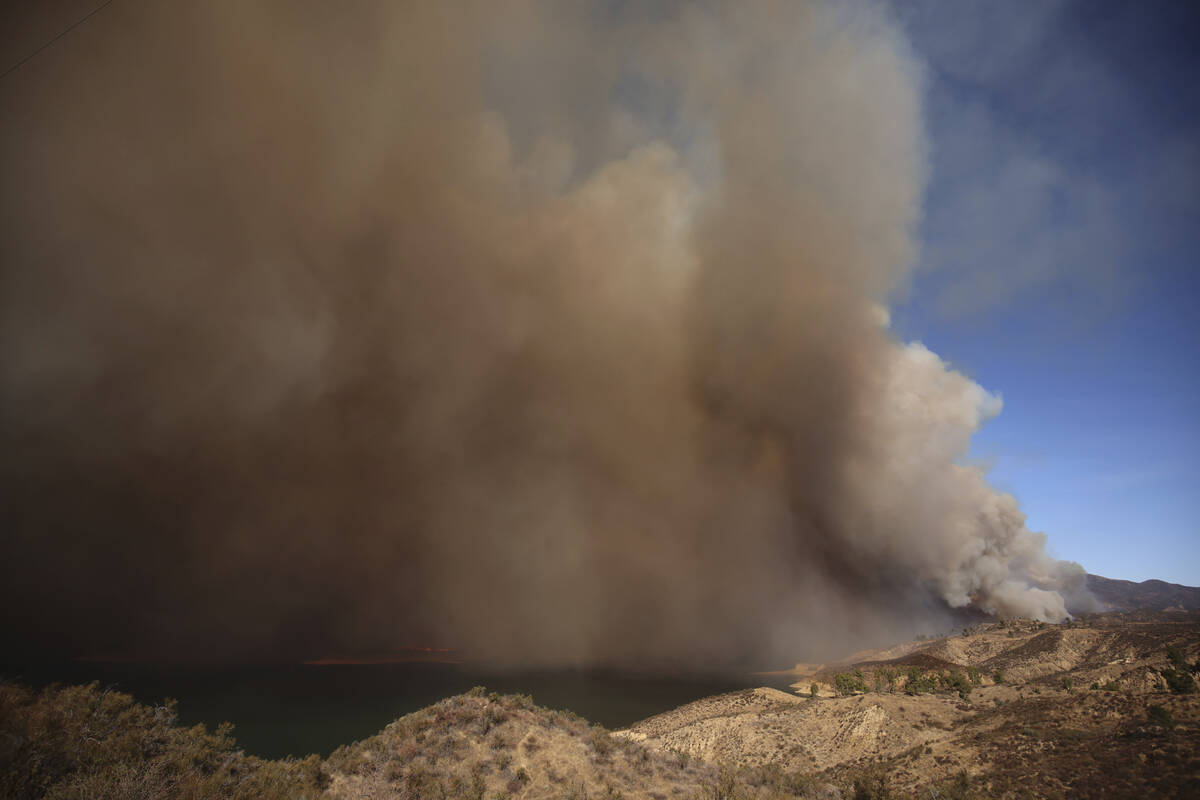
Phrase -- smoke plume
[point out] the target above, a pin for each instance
(553, 332)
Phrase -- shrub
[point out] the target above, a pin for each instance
(726, 786)
(958, 788)
(848, 683)
(82, 742)
(491, 717)
(975, 676)
(812, 690)
(602, 743)
(918, 682)
(998, 676)
(959, 683)
(1160, 716)
(871, 786)
(1068, 684)
(1178, 681)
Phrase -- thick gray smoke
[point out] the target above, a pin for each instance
(552, 332)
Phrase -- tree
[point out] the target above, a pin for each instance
(1178, 681)
(850, 682)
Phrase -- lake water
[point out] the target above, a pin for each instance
(296, 710)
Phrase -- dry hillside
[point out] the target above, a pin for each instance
(478, 745)
(1023, 708)
(1104, 707)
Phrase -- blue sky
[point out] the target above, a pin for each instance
(1061, 246)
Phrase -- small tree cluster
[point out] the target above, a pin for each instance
(1178, 681)
(1179, 675)
(885, 679)
(848, 683)
(918, 682)
(958, 682)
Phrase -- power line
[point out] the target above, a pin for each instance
(84, 19)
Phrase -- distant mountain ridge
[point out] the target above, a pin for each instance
(1152, 594)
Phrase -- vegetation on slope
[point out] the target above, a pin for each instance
(1107, 707)
(84, 742)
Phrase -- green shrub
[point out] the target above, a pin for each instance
(918, 682)
(959, 683)
(998, 676)
(1178, 681)
(812, 690)
(1160, 716)
(848, 683)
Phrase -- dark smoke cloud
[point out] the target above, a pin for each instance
(555, 333)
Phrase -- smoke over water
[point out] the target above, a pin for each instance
(557, 334)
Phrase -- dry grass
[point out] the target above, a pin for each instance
(931, 721)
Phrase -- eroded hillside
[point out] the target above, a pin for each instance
(1100, 707)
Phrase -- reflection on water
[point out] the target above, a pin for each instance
(303, 709)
